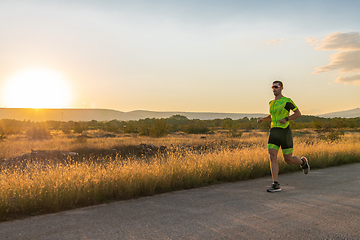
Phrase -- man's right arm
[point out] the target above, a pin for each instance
(264, 119)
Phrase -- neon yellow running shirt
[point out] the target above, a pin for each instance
(280, 109)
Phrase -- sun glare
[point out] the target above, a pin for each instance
(36, 88)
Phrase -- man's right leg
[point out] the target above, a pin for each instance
(273, 148)
(274, 166)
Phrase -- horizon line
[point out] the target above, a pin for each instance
(169, 111)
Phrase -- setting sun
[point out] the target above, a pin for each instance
(36, 88)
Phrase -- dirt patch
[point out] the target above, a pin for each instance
(47, 157)
(143, 150)
(41, 156)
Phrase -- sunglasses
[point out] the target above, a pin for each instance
(275, 86)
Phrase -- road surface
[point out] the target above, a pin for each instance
(325, 204)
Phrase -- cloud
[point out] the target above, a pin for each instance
(341, 41)
(273, 41)
(347, 60)
(354, 79)
(312, 41)
(270, 42)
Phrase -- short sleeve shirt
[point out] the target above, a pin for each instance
(280, 109)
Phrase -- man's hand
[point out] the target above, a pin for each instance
(264, 119)
(283, 121)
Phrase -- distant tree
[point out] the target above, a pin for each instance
(145, 128)
(265, 126)
(53, 125)
(130, 127)
(66, 127)
(196, 127)
(177, 119)
(78, 128)
(153, 128)
(217, 122)
(159, 128)
(38, 131)
(113, 126)
(229, 123)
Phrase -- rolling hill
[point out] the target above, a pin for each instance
(68, 114)
(352, 113)
(74, 114)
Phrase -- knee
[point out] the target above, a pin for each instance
(288, 159)
(273, 156)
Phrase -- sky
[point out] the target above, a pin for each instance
(189, 55)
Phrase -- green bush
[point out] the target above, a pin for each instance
(235, 133)
(38, 132)
(177, 120)
(196, 127)
(130, 127)
(2, 137)
(78, 128)
(145, 129)
(159, 128)
(65, 127)
(334, 135)
(153, 128)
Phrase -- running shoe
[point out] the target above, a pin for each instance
(275, 187)
(305, 165)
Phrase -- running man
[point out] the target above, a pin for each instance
(280, 133)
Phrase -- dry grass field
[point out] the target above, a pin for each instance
(93, 177)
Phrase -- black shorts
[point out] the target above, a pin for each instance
(281, 137)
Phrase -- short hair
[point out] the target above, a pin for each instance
(279, 82)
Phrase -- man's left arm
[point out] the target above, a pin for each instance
(294, 116)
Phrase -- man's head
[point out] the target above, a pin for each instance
(278, 83)
(277, 87)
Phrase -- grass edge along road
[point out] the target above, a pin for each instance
(39, 190)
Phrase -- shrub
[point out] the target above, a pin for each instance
(2, 137)
(156, 128)
(334, 135)
(177, 120)
(145, 129)
(159, 128)
(78, 128)
(66, 127)
(265, 126)
(38, 133)
(113, 126)
(130, 128)
(235, 133)
(196, 127)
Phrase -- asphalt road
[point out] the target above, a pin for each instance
(325, 204)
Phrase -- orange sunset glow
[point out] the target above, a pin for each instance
(36, 88)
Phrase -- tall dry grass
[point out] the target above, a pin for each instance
(52, 188)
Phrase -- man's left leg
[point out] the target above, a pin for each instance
(303, 162)
(287, 150)
(290, 159)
